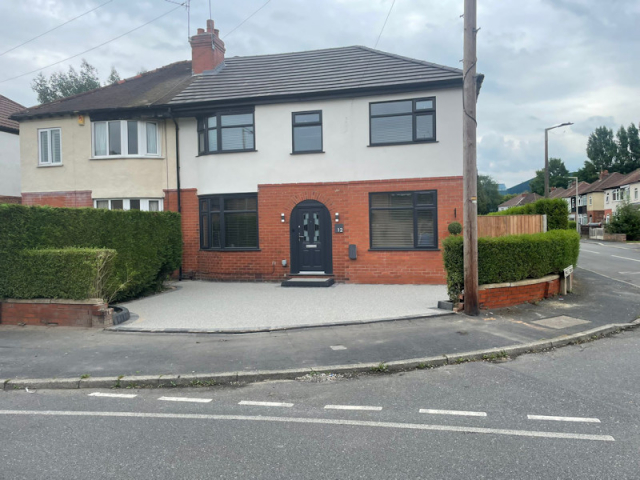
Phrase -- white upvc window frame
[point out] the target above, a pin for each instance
(126, 203)
(124, 137)
(50, 162)
(635, 193)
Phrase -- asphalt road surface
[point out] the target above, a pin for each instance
(569, 413)
(617, 261)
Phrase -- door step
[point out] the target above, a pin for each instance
(309, 282)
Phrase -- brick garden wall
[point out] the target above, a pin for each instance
(9, 199)
(66, 313)
(351, 201)
(518, 293)
(76, 198)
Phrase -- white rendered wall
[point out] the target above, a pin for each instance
(347, 155)
(9, 164)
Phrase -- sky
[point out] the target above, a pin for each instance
(545, 61)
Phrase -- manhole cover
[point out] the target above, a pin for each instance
(560, 322)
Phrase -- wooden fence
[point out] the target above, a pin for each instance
(501, 225)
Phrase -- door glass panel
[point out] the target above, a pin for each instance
(316, 228)
(305, 226)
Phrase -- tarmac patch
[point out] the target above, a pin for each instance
(560, 322)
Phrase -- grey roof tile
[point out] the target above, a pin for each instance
(7, 108)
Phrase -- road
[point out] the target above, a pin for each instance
(476, 420)
(617, 261)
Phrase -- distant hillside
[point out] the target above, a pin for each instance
(520, 188)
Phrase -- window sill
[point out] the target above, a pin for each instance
(426, 249)
(50, 166)
(307, 153)
(225, 152)
(133, 157)
(230, 250)
(402, 143)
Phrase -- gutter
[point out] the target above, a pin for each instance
(177, 174)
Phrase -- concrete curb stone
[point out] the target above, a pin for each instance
(229, 378)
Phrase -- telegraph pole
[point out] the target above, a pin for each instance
(470, 172)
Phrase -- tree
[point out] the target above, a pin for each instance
(623, 163)
(588, 173)
(114, 77)
(602, 149)
(558, 174)
(626, 220)
(61, 85)
(634, 146)
(488, 195)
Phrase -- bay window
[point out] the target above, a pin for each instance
(226, 132)
(125, 138)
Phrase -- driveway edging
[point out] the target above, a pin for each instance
(234, 378)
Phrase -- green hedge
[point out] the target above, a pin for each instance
(75, 273)
(571, 225)
(148, 244)
(556, 210)
(512, 258)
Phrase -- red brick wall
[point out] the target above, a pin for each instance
(509, 296)
(8, 199)
(351, 201)
(62, 314)
(77, 198)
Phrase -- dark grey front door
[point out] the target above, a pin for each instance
(311, 238)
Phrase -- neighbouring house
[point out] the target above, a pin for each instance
(343, 162)
(9, 152)
(519, 200)
(624, 187)
(569, 195)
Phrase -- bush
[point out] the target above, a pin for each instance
(75, 273)
(511, 258)
(556, 210)
(626, 220)
(455, 228)
(572, 225)
(148, 244)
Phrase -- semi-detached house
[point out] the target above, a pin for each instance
(343, 162)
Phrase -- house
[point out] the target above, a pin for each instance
(9, 152)
(595, 196)
(519, 200)
(342, 162)
(615, 192)
(569, 195)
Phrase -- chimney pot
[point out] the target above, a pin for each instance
(210, 26)
(200, 31)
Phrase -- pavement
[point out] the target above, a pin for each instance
(242, 307)
(567, 413)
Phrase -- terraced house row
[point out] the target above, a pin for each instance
(343, 163)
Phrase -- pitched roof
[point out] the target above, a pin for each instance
(633, 177)
(312, 72)
(571, 191)
(521, 199)
(611, 181)
(7, 108)
(145, 90)
(557, 193)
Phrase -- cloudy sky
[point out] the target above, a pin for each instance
(545, 61)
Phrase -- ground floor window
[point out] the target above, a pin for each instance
(403, 220)
(229, 222)
(144, 204)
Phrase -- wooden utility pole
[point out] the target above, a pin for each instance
(469, 161)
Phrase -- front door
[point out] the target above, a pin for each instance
(311, 238)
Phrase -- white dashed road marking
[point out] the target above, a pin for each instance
(338, 347)
(319, 421)
(186, 399)
(265, 404)
(453, 412)
(563, 419)
(590, 251)
(114, 395)
(352, 407)
(627, 258)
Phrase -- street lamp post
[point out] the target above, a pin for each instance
(577, 199)
(546, 156)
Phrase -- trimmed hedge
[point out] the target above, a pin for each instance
(148, 244)
(75, 273)
(571, 225)
(556, 210)
(511, 258)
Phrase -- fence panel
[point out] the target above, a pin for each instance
(501, 225)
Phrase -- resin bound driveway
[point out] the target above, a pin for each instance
(251, 307)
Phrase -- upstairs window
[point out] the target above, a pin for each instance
(226, 132)
(307, 132)
(403, 220)
(229, 222)
(49, 147)
(403, 121)
(125, 138)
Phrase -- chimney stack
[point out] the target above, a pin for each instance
(603, 174)
(207, 50)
